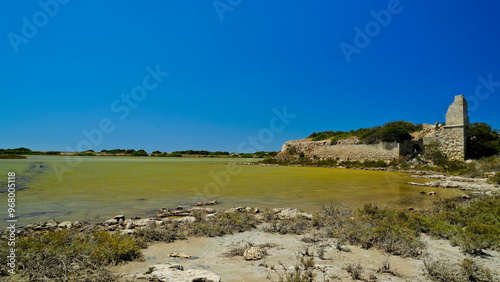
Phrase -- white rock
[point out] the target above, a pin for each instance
(111, 222)
(186, 219)
(253, 253)
(176, 273)
(65, 224)
(179, 255)
(290, 213)
(127, 231)
(143, 222)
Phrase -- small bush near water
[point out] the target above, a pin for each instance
(168, 235)
(222, 224)
(296, 225)
(467, 270)
(473, 225)
(69, 255)
(386, 229)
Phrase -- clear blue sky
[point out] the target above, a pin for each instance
(231, 64)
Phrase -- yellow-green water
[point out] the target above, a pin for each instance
(107, 186)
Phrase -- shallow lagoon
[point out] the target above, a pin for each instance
(101, 187)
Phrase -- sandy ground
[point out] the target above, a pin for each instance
(208, 254)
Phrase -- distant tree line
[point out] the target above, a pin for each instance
(26, 151)
(139, 153)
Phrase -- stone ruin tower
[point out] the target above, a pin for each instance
(452, 139)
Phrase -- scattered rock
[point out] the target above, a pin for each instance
(238, 209)
(179, 255)
(175, 272)
(253, 253)
(207, 203)
(51, 224)
(143, 222)
(65, 224)
(418, 184)
(110, 222)
(466, 197)
(179, 211)
(127, 231)
(463, 183)
(422, 192)
(186, 219)
(242, 209)
(129, 224)
(290, 213)
(431, 193)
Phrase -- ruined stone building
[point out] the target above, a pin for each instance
(450, 138)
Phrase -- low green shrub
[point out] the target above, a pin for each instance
(295, 225)
(170, 234)
(473, 225)
(495, 179)
(221, 224)
(70, 255)
(371, 226)
(467, 270)
(489, 164)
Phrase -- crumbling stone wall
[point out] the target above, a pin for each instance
(321, 150)
(452, 139)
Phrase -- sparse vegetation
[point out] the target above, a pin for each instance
(304, 270)
(221, 224)
(473, 225)
(70, 255)
(386, 229)
(489, 164)
(495, 179)
(354, 269)
(467, 270)
(154, 234)
(295, 225)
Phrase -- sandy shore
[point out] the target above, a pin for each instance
(209, 254)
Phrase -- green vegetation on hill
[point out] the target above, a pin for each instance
(396, 131)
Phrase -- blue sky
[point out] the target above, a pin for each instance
(232, 65)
